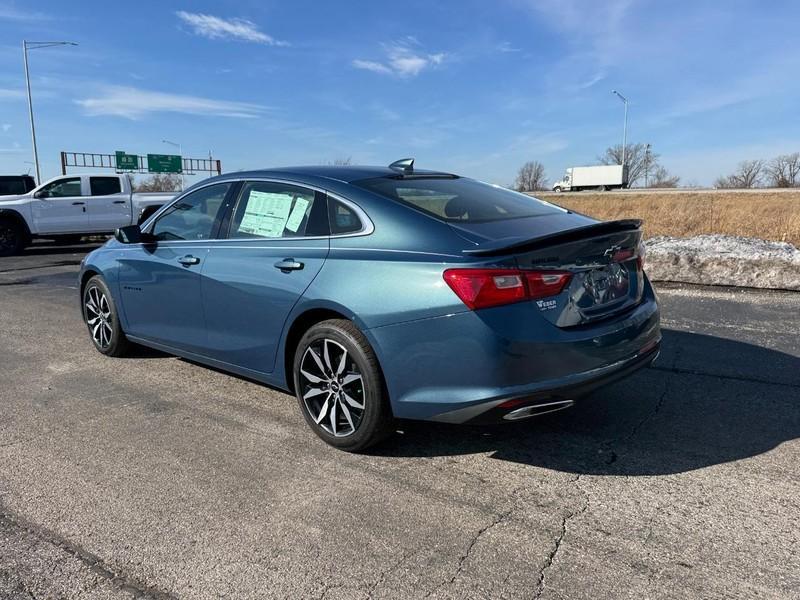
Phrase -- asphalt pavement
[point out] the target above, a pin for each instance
(154, 477)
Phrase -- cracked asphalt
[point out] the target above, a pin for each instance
(153, 477)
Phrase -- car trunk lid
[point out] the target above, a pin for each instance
(604, 259)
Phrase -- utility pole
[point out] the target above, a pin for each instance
(26, 45)
(646, 163)
(624, 125)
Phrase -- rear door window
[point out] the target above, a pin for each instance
(277, 210)
(105, 186)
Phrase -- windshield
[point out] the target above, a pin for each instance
(456, 199)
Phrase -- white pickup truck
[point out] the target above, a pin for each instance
(72, 206)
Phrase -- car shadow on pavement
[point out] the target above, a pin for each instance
(707, 401)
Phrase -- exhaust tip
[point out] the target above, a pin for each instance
(534, 410)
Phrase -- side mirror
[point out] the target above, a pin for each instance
(40, 194)
(132, 234)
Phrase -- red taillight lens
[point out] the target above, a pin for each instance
(482, 288)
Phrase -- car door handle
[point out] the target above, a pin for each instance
(189, 260)
(120, 201)
(78, 203)
(288, 264)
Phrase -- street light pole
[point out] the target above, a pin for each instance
(624, 125)
(180, 151)
(32, 46)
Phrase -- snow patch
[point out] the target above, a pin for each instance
(724, 260)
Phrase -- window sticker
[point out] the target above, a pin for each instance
(266, 214)
(298, 213)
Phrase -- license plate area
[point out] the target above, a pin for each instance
(603, 289)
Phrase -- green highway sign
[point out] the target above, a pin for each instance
(164, 163)
(127, 162)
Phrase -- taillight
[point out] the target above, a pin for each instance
(640, 255)
(482, 288)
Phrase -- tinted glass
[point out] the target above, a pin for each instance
(63, 188)
(343, 218)
(272, 210)
(105, 186)
(193, 216)
(458, 199)
(12, 186)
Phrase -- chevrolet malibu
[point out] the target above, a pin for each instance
(375, 293)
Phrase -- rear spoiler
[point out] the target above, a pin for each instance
(509, 245)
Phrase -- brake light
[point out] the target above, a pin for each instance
(482, 288)
(640, 256)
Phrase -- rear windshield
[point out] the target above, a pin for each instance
(457, 199)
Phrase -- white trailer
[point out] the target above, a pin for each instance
(600, 178)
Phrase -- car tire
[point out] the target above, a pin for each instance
(557, 189)
(340, 387)
(12, 237)
(101, 317)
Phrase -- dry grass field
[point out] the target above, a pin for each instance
(765, 214)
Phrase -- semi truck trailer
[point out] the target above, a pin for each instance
(600, 178)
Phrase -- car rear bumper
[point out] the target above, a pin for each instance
(462, 367)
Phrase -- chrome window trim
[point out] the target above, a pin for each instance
(367, 226)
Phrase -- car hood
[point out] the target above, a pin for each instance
(13, 198)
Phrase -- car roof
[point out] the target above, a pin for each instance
(345, 174)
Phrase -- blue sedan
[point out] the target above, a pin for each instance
(375, 293)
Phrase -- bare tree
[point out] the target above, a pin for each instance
(661, 178)
(531, 177)
(784, 170)
(160, 182)
(637, 156)
(342, 161)
(748, 174)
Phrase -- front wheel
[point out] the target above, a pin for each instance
(340, 388)
(101, 317)
(557, 189)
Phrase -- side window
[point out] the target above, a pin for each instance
(343, 219)
(62, 188)
(104, 186)
(275, 210)
(193, 216)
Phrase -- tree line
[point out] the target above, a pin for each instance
(645, 170)
(781, 172)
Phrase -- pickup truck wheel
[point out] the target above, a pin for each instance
(12, 238)
(101, 317)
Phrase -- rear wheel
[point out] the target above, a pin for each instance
(340, 388)
(12, 237)
(101, 317)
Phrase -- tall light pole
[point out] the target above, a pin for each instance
(33, 46)
(180, 151)
(624, 125)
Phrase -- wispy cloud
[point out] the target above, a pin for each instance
(9, 13)
(11, 94)
(5, 127)
(403, 59)
(15, 148)
(134, 103)
(232, 29)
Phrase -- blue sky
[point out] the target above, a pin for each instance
(474, 87)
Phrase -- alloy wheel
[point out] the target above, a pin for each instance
(98, 316)
(8, 237)
(332, 387)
